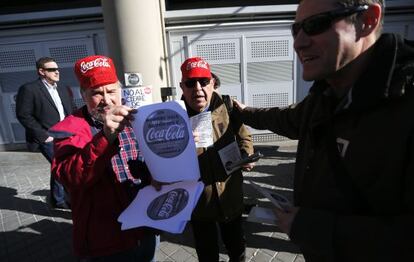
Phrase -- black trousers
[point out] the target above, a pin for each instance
(206, 239)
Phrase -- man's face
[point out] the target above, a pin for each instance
(197, 92)
(50, 72)
(100, 100)
(323, 55)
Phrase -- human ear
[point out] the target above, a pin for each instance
(41, 72)
(371, 19)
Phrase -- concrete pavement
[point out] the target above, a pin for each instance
(32, 231)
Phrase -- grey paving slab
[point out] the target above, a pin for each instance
(32, 231)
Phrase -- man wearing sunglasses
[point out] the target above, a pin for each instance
(40, 105)
(354, 182)
(221, 203)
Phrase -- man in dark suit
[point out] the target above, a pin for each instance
(40, 105)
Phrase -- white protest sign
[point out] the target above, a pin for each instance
(137, 96)
(166, 142)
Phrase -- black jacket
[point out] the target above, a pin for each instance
(37, 112)
(358, 206)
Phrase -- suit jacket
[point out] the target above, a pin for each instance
(37, 112)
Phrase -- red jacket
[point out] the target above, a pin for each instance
(82, 164)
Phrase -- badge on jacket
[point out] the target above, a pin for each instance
(342, 146)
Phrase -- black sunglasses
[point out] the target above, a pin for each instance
(51, 69)
(319, 23)
(192, 82)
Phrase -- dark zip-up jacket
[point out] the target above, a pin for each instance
(360, 205)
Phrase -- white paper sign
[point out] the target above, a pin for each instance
(168, 209)
(229, 155)
(166, 141)
(136, 96)
(202, 124)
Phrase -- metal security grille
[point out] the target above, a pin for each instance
(270, 48)
(216, 51)
(255, 66)
(17, 58)
(262, 138)
(68, 54)
(271, 100)
(18, 131)
(270, 71)
(229, 73)
(13, 108)
(10, 82)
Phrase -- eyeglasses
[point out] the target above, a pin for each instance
(192, 82)
(319, 23)
(51, 69)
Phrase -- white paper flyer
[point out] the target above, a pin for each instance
(230, 154)
(202, 124)
(168, 209)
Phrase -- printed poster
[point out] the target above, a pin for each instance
(168, 209)
(165, 138)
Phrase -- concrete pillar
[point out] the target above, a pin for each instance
(136, 40)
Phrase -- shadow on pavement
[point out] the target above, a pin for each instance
(9, 201)
(44, 240)
(270, 151)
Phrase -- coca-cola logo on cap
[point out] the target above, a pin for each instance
(168, 205)
(166, 133)
(98, 62)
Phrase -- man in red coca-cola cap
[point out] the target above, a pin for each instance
(221, 203)
(98, 160)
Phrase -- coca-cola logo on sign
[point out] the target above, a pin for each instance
(166, 133)
(98, 62)
(168, 205)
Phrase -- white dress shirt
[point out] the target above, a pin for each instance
(56, 98)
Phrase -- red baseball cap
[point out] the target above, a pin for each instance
(195, 67)
(95, 71)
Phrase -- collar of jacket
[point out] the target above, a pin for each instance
(212, 105)
(379, 81)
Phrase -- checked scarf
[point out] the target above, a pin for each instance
(128, 150)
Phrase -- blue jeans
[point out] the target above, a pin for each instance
(56, 189)
(145, 252)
